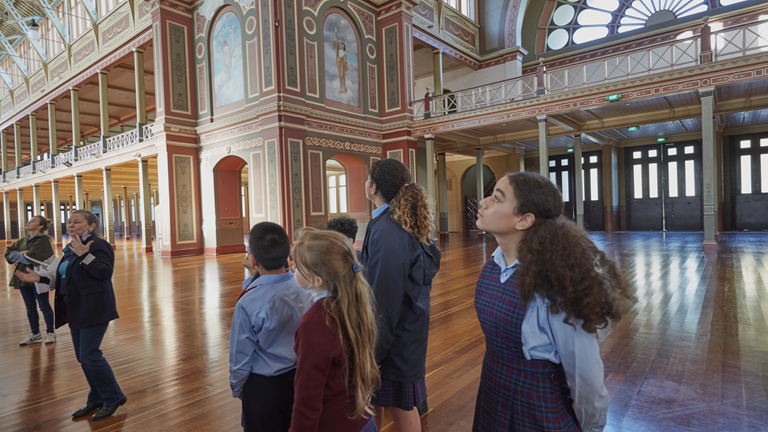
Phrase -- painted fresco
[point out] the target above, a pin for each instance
(227, 61)
(341, 52)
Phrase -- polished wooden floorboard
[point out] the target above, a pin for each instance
(690, 355)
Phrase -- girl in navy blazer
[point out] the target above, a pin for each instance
(400, 276)
(85, 300)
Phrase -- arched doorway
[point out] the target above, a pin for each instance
(230, 176)
(469, 192)
(345, 186)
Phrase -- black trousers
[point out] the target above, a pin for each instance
(268, 402)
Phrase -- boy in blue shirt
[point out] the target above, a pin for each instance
(262, 362)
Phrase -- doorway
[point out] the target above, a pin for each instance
(749, 168)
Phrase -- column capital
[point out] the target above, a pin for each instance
(102, 72)
(51, 103)
(54, 182)
(542, 118)
(429, 137)
(138, 50)
(106, 169)
(74, 89)
(33, 114)
(707, 91)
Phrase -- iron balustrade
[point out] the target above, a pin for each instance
(88, 151)
(63, 158)
(123, 140)
(146, 132)
(727, 43)
(26, 171)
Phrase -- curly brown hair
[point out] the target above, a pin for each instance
(408, 201)
(559, 262)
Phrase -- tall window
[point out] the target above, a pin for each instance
(337, 193)
(464, 7)
(578, 21)
(79, 20)
(107, 6)
(53, 42)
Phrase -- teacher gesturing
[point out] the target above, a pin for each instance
(85, 300)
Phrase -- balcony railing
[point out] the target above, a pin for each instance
(123, 140)
(147, 133)
(88, 151)
(43, 165)
(26, 171)
(727, 43)
(10, 176)
(63, 158)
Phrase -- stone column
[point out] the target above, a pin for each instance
(579, 184)
(79, 198)
(442, 194)
(119, 215)
(53, 147)
(611, 206)
(127, 214)
(146, 211)
(106, 207)
(7, 216)
(104, 113)
(17, 142)
(87, 201)
(21, 209)
(141, 98)
(35, 200)
(137, 213)
(33, 143)
(708, 168)
(4, 150)
(431, 173)
(543, 146)
(437, 72)
(70, 207)
(479, 181)
(56, 213)
(74, 95)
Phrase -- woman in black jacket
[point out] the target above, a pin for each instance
(400, 278)
(85, 300)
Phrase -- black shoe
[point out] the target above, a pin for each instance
(108, 410)
(87, 409)
(423, 408)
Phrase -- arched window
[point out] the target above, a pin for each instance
(578, 21)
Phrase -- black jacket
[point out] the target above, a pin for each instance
(395, 269)
(90, 299)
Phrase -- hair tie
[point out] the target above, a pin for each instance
(405, 185)
(356, 267)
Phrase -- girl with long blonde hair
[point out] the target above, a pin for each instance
(335, 340)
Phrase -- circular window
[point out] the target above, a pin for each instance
(557, 39)
(564, 15)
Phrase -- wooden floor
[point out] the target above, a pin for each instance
(691, 355)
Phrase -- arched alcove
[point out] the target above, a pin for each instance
(469, 182)
(355, 171)
(231, 218)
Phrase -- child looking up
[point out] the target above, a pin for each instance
(262, 362)
(335, 341)
(540, 300)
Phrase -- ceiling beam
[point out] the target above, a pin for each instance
(12, 52)
(60, 27)
(567, 125)
(25, 30)
(503, 148)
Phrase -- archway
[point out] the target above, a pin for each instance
(353, 188)
(469, 192)
(230, 185)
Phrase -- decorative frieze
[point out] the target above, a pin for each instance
(229, 148)
(324, 127)
(342, 145)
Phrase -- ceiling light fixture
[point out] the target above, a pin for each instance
(33, 33)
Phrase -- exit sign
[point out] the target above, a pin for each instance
(633, 128)
(570, 150)
(660, 139)
(613, 97)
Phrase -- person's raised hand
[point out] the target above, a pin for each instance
(78, 247)
(30, 276)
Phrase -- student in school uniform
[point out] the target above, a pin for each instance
(540, 300)
(262, 363)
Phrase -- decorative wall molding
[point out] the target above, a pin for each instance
(315, 169)
(226, 224)
(312, 5)
(227, 133)
(342, 145)
(177, 61)
(184, 189)
(291, 45)
(310, 63)
(391, 68)
(200, 23)
(296, 164)
(116, 26)
(229, 148)
(324, 127)
(367, 20)
(373, 88)
(310, 26)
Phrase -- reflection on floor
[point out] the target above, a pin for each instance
(690, 356)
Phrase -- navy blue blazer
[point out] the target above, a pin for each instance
(395, 269)
(90, 299)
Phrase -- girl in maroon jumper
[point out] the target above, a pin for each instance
(335, 340)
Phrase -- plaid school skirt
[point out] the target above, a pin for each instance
(370, 426)
(394, 394)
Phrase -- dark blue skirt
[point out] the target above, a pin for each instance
(394, 394)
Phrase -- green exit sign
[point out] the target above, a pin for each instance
(633, 128)
(660, 139)
(570, 150)
(613, 97)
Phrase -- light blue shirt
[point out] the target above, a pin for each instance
(547, 337)
(263, 328)
(378, 211)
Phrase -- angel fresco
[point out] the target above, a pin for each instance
(341, 63)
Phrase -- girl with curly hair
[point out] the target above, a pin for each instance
(399, 274)
(540, 300)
